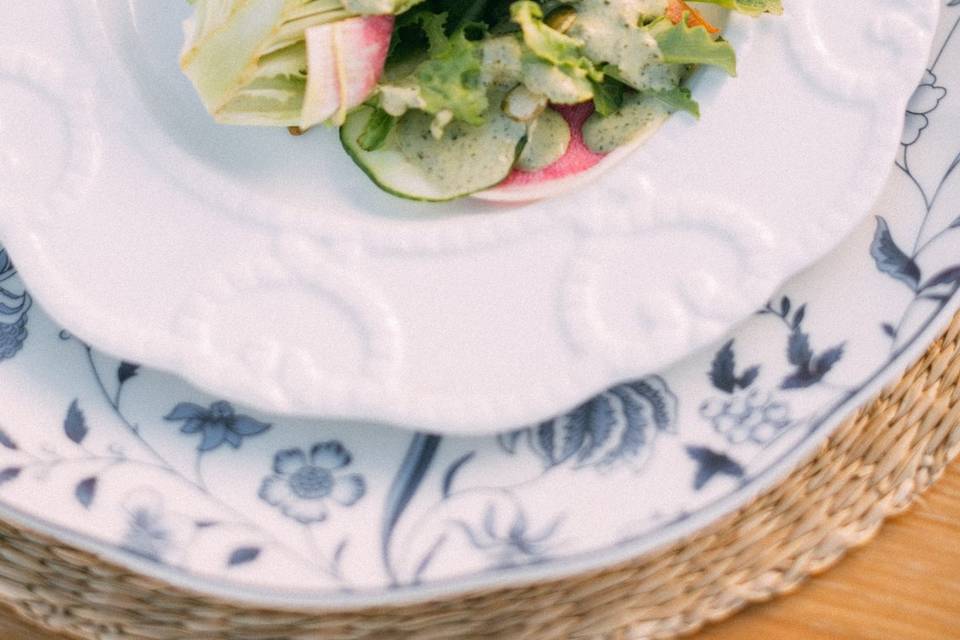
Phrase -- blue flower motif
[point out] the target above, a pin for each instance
(301, 485)
(925, 100)
(219, 423)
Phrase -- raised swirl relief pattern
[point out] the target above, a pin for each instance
(300, 328)
(647, 285)
(49, 145)
(895, 32)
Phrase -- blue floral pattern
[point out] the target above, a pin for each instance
(218, 424)
(302, 485)
(924, 101)
(14, 305)
(617, 426)
(150, 469)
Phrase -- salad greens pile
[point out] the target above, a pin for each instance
(461, 69)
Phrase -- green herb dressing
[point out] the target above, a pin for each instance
(636, 117)
(547, 140)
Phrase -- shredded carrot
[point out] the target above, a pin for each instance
(676, 9)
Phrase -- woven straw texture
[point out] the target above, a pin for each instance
(875, 464)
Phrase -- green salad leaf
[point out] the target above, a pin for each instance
(749, 7)
(450, 78)
(571, 73)
(677, 99)
(683, 44)
(377, 129)
(608, 95)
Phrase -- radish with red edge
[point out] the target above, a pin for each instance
(344, 63)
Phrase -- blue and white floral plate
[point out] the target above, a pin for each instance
(313, 293)
(145, 470)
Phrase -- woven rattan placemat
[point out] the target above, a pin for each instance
(875, 464)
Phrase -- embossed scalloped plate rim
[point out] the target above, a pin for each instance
(592, 561)
(602, 355)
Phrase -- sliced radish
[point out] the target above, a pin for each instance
(532, 185)
(344, 62)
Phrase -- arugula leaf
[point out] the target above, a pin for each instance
(608, 96)
(683, 44)
(749, 7)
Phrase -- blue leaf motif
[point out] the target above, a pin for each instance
(710, 463)
(799, 316)
(785, 306)
(890, 259)
(243, 555)
(825, 361)
(615, 425)
(7, 441)
(186, 411)
(75, 425)
(723, 369)
(634, 434)
(574, 432)
(544, 439)
(85, 491)
(749, 377)
(664, 402)
(416, 463)
(8, 474)
(799, 353)
(599, 425)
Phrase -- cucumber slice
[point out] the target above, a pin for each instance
(413, 164)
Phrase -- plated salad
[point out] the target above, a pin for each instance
(440, 99)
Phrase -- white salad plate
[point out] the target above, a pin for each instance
(269, 270)
(145, 470)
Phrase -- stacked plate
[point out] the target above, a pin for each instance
(320, 396)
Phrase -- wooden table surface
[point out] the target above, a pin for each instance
(904, 585)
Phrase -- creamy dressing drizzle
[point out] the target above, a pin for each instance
(464, 156)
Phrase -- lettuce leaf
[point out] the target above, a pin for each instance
(678, 99)
(450, 78)
(563, 53)
(683, 44)
(749, 7)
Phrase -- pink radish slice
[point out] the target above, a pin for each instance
(531, 185)
(344, 62)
